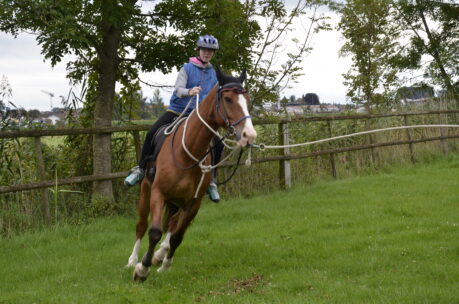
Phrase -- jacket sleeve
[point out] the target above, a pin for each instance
(180, 84)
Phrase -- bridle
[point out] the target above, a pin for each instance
(238, 89)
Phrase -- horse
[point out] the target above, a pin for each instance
(173, 198)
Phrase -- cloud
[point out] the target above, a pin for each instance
(27, 73)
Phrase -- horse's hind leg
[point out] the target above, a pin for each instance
(154, 235)
(183, 221)
(142, 223)
(163, 250)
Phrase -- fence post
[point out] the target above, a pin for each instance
(444, 145)
(285, 176)
(370, 138)
(42, 177)
(332, 155)
(408, 135)
(138, 148)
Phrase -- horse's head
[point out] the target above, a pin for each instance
(232, 107)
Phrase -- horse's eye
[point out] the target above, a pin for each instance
(227, 99)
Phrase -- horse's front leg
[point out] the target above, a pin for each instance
(142, 224)
(155, 232)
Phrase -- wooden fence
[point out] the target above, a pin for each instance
(283, 158)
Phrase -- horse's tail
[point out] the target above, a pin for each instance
(168, 211)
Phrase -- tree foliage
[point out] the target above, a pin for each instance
(387, 38)
(5, 94)
(277, 54)
(371, 41)
(432, 28)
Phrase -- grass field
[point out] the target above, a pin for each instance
(387, 238)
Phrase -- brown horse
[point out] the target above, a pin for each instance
(174, 197)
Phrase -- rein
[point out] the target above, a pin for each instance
(234, 170)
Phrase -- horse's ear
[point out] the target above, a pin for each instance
(220, 76)
(243, 76)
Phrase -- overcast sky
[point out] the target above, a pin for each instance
(28, 75)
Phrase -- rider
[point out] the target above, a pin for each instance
(195, 77)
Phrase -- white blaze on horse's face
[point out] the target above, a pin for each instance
(248, 133)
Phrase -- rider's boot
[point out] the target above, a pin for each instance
(135, 176)
(213, 192)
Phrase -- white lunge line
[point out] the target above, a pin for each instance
(263, 146)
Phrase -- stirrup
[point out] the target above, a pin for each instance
(135, 176)
(213, 193)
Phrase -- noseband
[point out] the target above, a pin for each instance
(238, 89)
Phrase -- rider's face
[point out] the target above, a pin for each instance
(206, 54)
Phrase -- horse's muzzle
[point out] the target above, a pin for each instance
(246, 135)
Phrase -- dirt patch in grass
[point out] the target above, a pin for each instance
(250, 284)
(236, 286)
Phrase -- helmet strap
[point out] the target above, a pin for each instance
(200, 60)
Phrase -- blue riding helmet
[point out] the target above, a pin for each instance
(208, 42)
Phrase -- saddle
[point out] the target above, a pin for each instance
(157, 142)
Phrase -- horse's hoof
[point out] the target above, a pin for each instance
(140, 273)
(131, 263)
(160, 254)
(155, 261)
(138, 278)
(165, 266)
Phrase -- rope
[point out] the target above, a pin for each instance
(210, 128)
(263, 146)
(204, 168)
(171, 128)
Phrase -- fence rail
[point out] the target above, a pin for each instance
(284, 158)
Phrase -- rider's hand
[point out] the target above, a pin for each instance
(194, 91)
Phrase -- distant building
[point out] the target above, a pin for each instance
(301, 109)
(53, 119)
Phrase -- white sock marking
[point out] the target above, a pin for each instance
(161, 253)
(134, 255)
(165, 265)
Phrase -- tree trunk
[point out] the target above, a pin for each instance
(433, 50)
(108, 56)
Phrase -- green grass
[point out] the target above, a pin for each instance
(387, 238)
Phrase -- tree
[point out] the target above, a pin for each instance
(433, 31)
(33, 114)
(112, 40)
(418, 91)
(311, 99)
(5, 92)
(371, 41)
(157, 104)
(268, 75)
